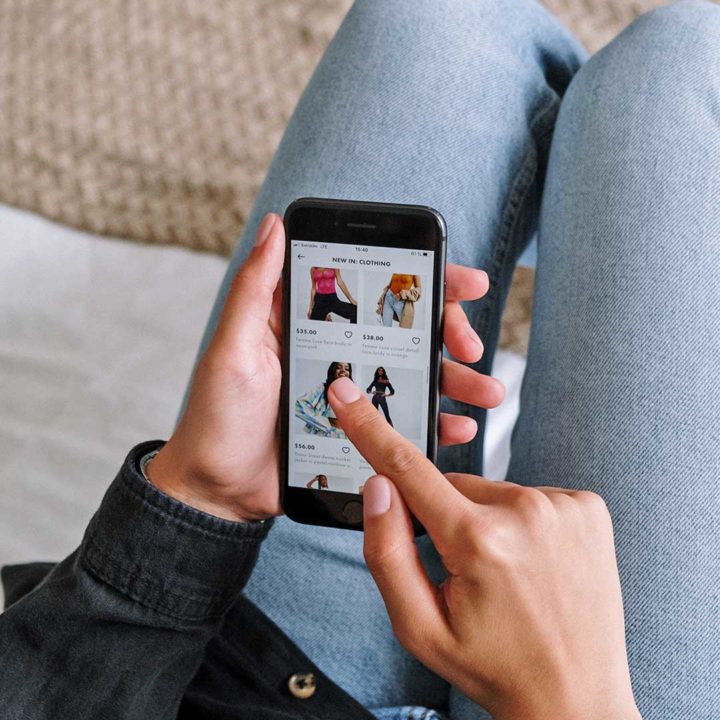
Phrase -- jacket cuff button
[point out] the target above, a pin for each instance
(302, 685)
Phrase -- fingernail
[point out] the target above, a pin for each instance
(473, 335)
(345, 390)
(263, 232)
(376, 496)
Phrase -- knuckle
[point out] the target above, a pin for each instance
(373, 559)
(592, 503)
(400, 458)
(467, 526)
(360, 421)
(477, 538)
(365, 417)
(379, 558)
(530, 501)
(535, 511)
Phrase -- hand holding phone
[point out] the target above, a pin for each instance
(529, 620)
(224, 454)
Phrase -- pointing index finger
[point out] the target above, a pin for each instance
(428, 494)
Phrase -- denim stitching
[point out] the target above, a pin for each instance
(520, 187)
(173, 513)
(97, 563)
(93, 552)
(516, 200)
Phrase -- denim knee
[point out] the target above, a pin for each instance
(641, 121)
(513, 25)
(669, 56)
(683, 37)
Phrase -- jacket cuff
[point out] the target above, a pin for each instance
(164, 554)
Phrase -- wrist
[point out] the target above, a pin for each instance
(610, 708)
(168, 475)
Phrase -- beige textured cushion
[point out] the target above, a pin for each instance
(157, 119)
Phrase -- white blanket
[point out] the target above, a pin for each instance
(97, 341)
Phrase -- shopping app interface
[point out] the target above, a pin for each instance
(362, 312)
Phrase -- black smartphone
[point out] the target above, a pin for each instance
(363, 294)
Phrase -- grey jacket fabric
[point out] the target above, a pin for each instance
(146, 621)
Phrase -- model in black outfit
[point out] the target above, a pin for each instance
(379, 387)
(331, 303)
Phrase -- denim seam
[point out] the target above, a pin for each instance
(136, 571)
(542, 132)
(97, 562)
(94, 552)
(511, 214)
(520, 187)
(173, 514)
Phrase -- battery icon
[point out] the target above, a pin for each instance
(424, 253)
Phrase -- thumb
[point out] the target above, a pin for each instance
(411, 599)
(246, 312)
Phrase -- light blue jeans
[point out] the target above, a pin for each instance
(454, 104)
(391, 305)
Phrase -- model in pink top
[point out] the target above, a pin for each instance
(324, 280)
(324, 299)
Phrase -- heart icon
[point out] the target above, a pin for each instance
(345, 449)
(348, 333)
(416, 340)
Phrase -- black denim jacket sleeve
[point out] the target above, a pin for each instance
(119, 628)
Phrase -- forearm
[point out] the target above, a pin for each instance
(119, 628)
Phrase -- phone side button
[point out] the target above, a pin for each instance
(353, 512)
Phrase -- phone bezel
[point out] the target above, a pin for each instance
(415, 227)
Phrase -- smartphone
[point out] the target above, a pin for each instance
(363, 294)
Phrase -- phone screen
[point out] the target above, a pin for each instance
(364, 312)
